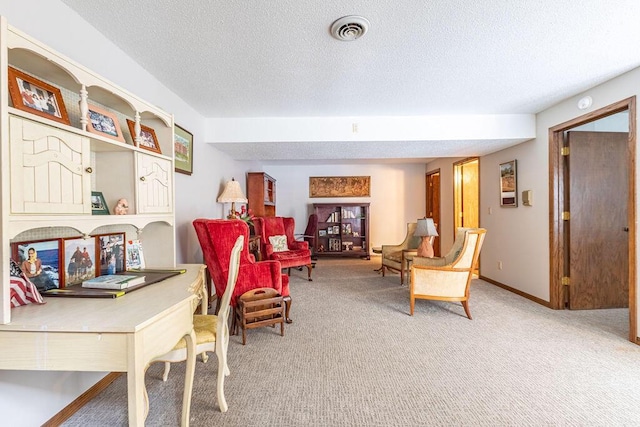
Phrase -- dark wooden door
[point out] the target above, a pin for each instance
(598, 240)
(433, 205)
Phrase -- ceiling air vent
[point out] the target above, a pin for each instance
(349, 28)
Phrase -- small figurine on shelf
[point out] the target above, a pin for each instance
(122, 207)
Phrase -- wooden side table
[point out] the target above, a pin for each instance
(404, 264)
(254, 247)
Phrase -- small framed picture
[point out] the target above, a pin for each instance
(508, 184)
(40, 262)
(111, 253)
(98, 204)
(79, 260)
(37, 97)
(336, 229)
(105, 123)
(135, 257)
(148, 139)
(183, 147)
(322, 233)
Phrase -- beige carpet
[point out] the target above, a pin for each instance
(354, 357)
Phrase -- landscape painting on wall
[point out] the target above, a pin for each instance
(339, 186)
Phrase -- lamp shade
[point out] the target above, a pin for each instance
(425, 228)
(232, 193)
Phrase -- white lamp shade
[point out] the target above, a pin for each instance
(232, 193)
(426, 227)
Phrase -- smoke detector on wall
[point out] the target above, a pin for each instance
(349, 28)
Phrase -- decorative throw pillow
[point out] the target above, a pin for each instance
(279, 243)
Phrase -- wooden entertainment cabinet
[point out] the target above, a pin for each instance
(261, 193)
(343, 229)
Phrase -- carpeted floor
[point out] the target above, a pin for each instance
(354, 357)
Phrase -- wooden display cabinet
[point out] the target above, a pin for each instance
(261, 193)
(343, 229)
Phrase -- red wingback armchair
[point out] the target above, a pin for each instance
(297, 253)
(217, 237)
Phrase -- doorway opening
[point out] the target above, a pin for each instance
(592, 211)
(433, 205)
(466, 187)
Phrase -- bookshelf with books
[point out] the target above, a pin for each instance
(343, 229)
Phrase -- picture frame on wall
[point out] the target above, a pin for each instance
(79, 260)
(40, 260)
(148, 139)
(105, 123)
(112, 251)
(508, 184)
(98, 204)
(37, 97)
(339, 186)
(183, 148)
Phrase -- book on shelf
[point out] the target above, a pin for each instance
(113, 281)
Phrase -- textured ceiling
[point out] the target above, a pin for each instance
(277, 59)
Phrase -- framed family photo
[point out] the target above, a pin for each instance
(39, 260)
(148, 139)
(105, 123)
(37, 97)
(183, 147)
(79, 260)
(111, 253)
(508, 184)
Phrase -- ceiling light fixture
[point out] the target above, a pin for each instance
(349, 28)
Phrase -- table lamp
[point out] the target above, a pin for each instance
(425, 229)
(233, 194)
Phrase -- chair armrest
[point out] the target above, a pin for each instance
(388, 249)
(429, 262)
(297, 245)
(268, 249)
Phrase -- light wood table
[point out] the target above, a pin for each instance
(112, 335)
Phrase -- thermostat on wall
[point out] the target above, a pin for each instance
(527, 198)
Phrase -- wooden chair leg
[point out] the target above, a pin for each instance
(287, 305)
(309, 267)
(465, 304)
(411, 304)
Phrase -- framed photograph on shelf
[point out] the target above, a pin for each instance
(40, 262)
(183, 147)
(37, 97)
(98, 204)
(79, 260)
(111, 253)
(322, 233)
(105, 123)
(508, 184)
(148, 139)
(336, 229)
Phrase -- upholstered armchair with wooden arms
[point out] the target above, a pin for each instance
(278, 243)
(216, 237)
(212, 332)
(392, 255)
(448, 278)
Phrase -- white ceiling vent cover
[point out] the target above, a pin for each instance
(349, 28)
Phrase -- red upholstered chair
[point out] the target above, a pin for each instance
(296, 253)
(217, 237)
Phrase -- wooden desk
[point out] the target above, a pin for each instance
(111, 335)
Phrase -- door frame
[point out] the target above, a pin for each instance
(557, 201)
(429, 197)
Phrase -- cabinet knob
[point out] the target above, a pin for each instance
(89, 169)
(142, 178)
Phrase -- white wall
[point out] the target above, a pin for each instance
(31, 398)
(397, 195)
(519, 237)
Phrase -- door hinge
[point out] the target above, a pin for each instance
(566, 281)
(566, 216)
(564, 151)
